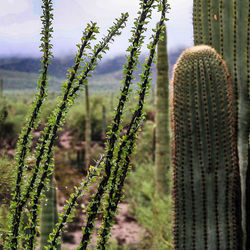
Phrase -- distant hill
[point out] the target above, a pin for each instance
(22, 73)
(24, 80)
(58, 67)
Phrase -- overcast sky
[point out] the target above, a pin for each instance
(20, 24)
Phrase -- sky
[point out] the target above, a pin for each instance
(20, 24)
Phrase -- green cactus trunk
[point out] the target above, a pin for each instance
(162, 120)
(49, 216)
(87, 129)
(104, 122)
(153, 143)
(206, 183)
(225, 25)
(1, 88)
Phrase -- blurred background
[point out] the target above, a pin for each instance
(136, 226)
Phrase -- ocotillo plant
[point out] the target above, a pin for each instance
(162, 121)
(57, 119)
(132, 61)
(225, 25)
(206, 181)
(49, 215)
(31, 122)
(127, 143)
(44, 166)
(29, 193)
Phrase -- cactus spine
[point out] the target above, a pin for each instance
(225, 25)
(49, 216)
(205, 164)
(162, 136)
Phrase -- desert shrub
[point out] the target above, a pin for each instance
(77, 115)
(145, 147)
(152, 213)
(7, 172)
(11, 120)
(6, 184)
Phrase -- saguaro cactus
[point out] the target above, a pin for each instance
(162, 120)
(49, 216)
(87, 129)
(205, 165)
(104, 122)
(225, 25)
(1, 88)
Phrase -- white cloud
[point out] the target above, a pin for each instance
(14, 7)
(22, 30)
(19, 20)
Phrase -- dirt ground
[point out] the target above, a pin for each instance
(125, 231)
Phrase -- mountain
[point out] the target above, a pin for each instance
(22, 73)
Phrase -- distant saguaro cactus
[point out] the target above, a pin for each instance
(162, 120)
(87, 129)
(49, 216)
(1, 88)
(104, 122)
(205, 164)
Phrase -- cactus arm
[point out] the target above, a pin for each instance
(227, 30)
(197, 22)
(213, 20)
(205, 154)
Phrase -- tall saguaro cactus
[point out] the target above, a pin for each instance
(162, 136)
(205, 164)
(1, 88)
(104, 122)
(225, 25)
(87, 129)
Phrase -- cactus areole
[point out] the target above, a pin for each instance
(206, 182)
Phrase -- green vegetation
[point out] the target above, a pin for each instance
(152, 212)
(112, 168)
(16, 80)
(206, 178)
(7, 173)
(210, 112)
